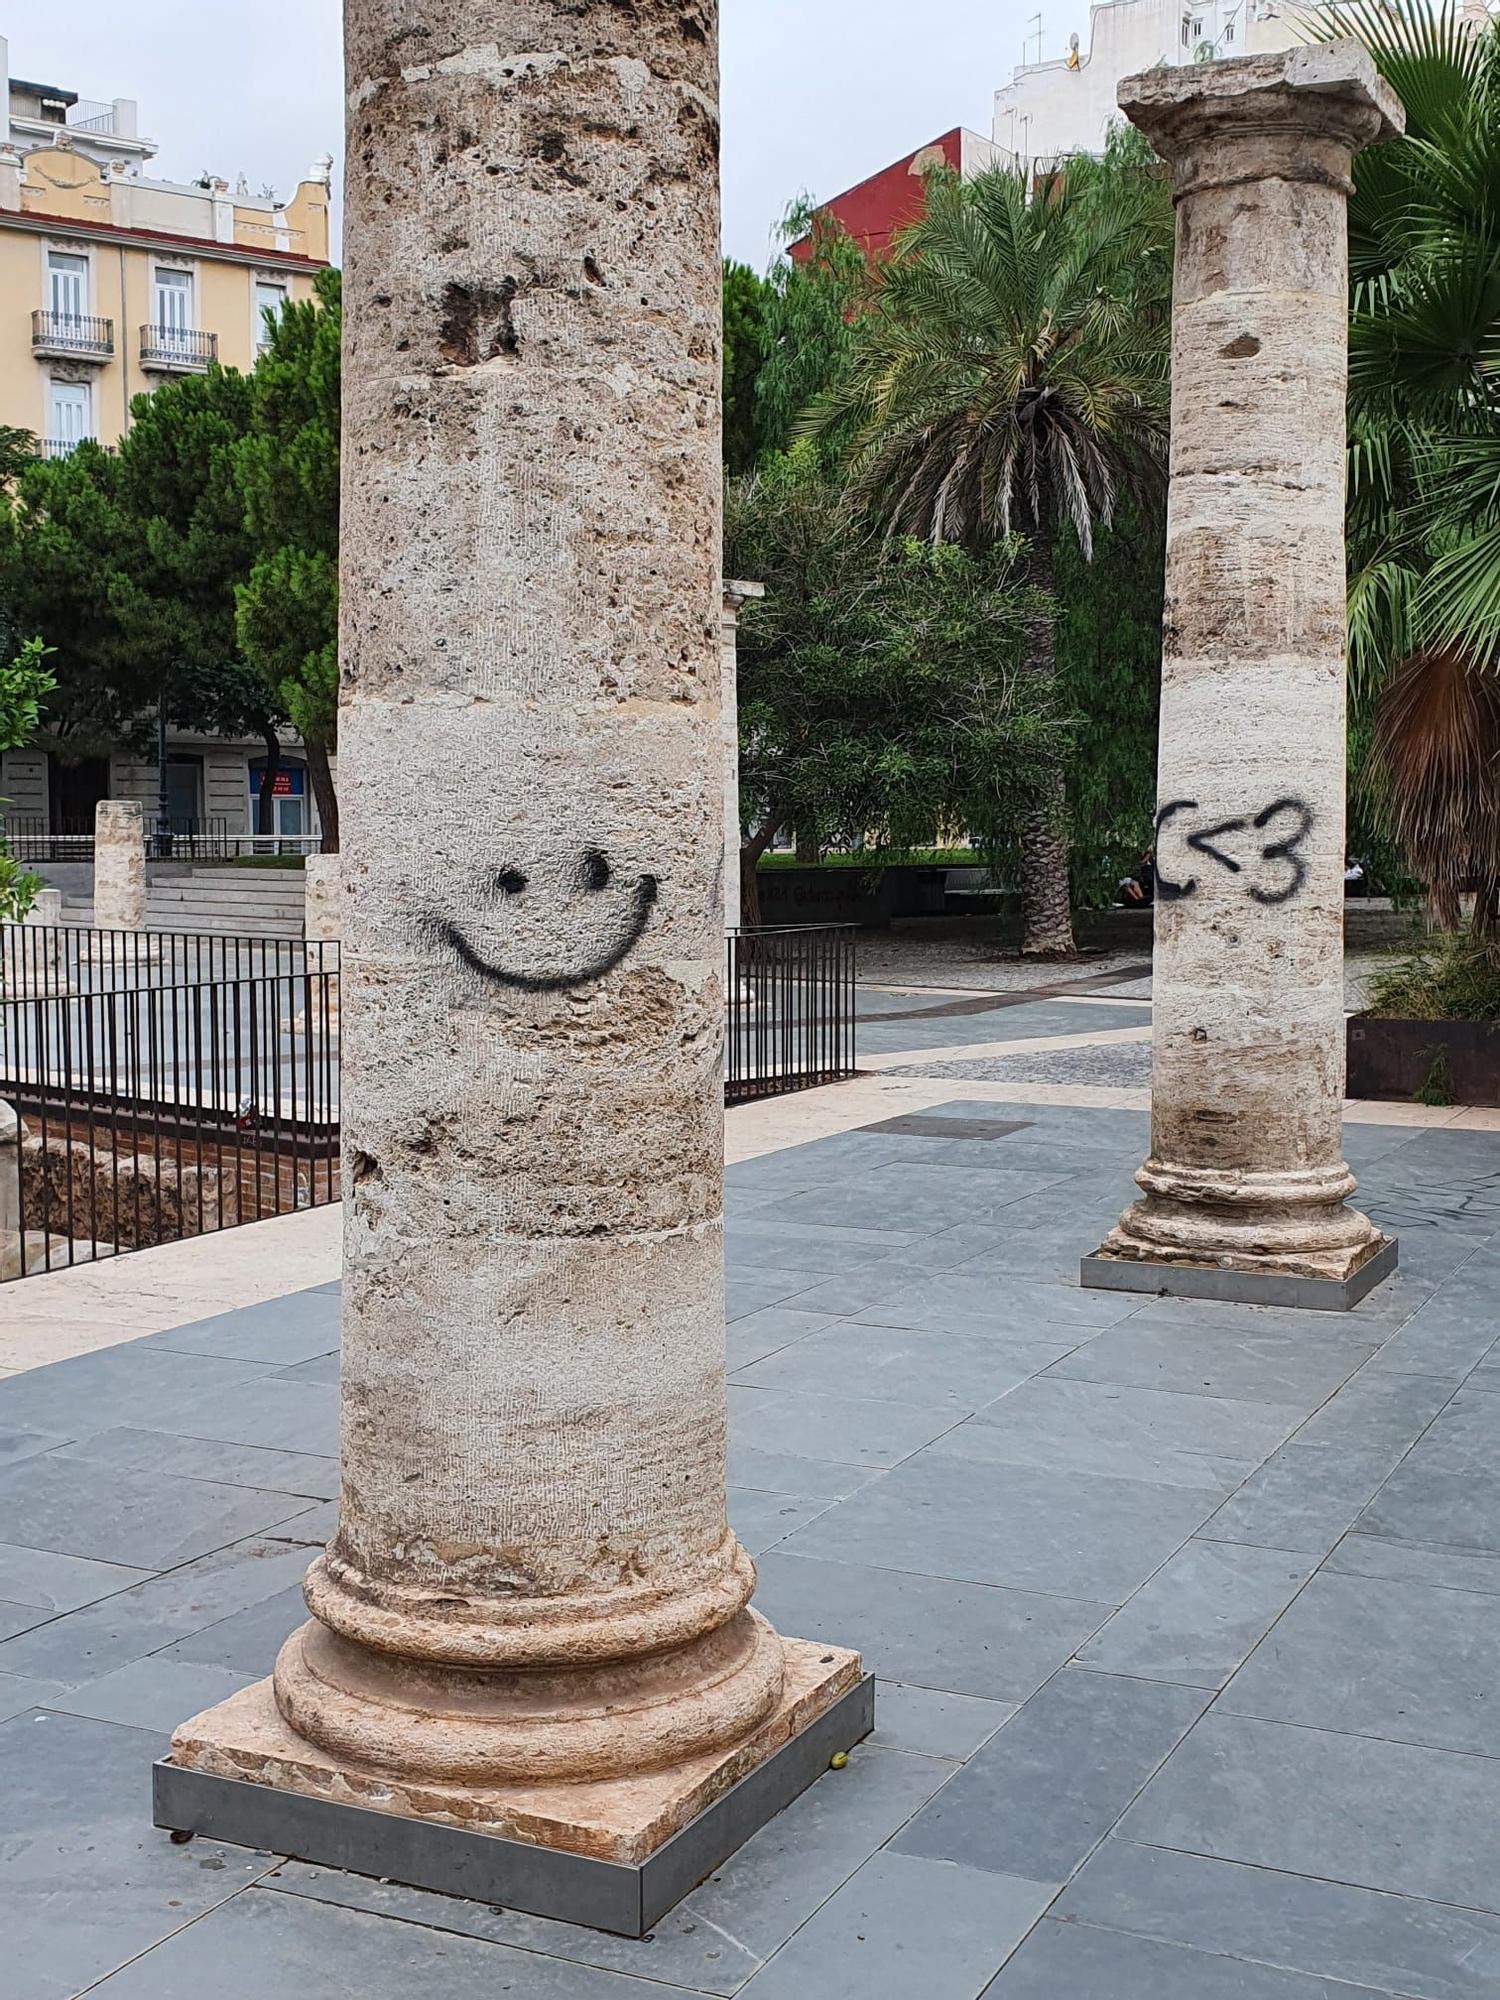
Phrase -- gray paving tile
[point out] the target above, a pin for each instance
(15, 1618)
(154, 1694)
(749, 1292)
(205, 1458)
(53, 1582)
(872, 1279)
(1349, 1809)
(322, 1368)
(761, 1520)
(1071, 1535)
(1393, 1943)
(314, 1529)
(1380, 1658)
(853, 1430)
(86, 1882)
(787, 1472)
(1038, 1796)
(16, 1445)
(729, 1925)
(1303, 1498)
(1200, 1615)
(911, 1200)
(1447, 1489)
(277, 1412)
(132, 1623)
(1446, 1337)
(807, 1245)
(955, 1372)
(957, 1638)
(130, 1384)
(1250, 1366)
(1415, 1562)
(1378, 1408)
(1099, 1427)
(1063, 1960)
(905, 1925)
(759, 1334)
(279, 1331)
(932, 1724)
(967, 1301)
(115, 1514)
(17, 1694)
(263, 1944)
(247, 1641)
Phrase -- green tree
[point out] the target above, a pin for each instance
(1009, 375)
(25, 683)
(745, 297)
(881, 701)
(287, 472)
(813, 299)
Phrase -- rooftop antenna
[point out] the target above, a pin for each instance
(1033, 36)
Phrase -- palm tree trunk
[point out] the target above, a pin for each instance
(1046, 915)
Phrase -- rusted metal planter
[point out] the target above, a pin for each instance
(1458, 1060)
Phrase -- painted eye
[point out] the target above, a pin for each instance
(510, 881)
(594, 873)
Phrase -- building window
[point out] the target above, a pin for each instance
(70, 417)
(269, 299)
(1192, 31)
(288, 800)
(67, 285)
(174, 301)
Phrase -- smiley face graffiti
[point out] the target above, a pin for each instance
(593, 878)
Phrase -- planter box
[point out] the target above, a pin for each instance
(1394, 1059)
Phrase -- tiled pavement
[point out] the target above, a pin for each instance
(1187, 1616)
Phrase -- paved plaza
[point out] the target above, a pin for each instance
(1186, 1617)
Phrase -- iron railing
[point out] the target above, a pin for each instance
(166, 1086)
(178, 347)
(33, 838)
(78, 334)
(790, 1010)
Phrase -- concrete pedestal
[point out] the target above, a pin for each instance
(119, 865)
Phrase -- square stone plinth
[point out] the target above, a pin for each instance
(1233, 1286)
(615, 1856)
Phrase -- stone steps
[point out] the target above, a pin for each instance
(230, 902)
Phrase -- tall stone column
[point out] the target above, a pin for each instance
(533, 1620)
(1245, 1192)
(119, 865)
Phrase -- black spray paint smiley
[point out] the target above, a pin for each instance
(593, 878)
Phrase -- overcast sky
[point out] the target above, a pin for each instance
(817, 93)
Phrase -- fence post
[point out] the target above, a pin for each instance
(10, 1192)
(119, 865)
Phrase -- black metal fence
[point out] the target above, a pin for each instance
(167, 1086)
(32, 839)
(790, 1001)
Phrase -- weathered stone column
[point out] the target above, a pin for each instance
(533, 1619)
(1245, 1190)
(119, 865)
(322, 899)
(736, 597)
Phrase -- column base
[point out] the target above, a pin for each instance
(1241, 1284)
(614, 1855)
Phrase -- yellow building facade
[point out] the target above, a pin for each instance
(112, 282)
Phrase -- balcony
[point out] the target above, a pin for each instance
(177, 350)
(65, 447)
(72, 336)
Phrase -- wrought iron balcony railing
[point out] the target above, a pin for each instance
(65, 447)
(178, 348)
(78, 336)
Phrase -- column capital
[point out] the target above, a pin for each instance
(1300, 115)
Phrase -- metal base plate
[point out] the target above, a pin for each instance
(543, 1881)
(1235, 1287)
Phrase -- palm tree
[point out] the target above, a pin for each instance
(1010, 377)
(1424, 459)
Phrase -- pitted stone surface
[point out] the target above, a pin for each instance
(119, 865)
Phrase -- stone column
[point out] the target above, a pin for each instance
(119, 865)
(322, 921)
(1245, 1190)
(11, 1259)
(736, 597)
(533, 1618)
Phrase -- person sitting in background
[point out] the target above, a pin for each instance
(1140, 888)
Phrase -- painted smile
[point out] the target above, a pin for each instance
(594, 876)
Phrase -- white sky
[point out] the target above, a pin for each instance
(817, 93)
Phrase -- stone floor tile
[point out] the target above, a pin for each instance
(1393, 1943)
(322, 1368)
(15, 1445)
(1446, 1338)
(904, 1926)
(957, 1372)
(86, 1882)
(279, 1331)
(1039, 1795)
(246, 1642)
(1447, 1489)
(53, 1582)
(854, 1430)
(18, 1618)
(17, 1693)
(204, 1458)
(905, 1201)
(1075, 1962)
(761, 1520)
(1352, 1809)
(128, 1384)
(1021, 1310)
(1378, 1408)
(821, 1247)
(932, 1724)
(956, 1638)
(264, 1944)
(748, 1292)
(1250, 1366)
(132, 1623)
(276, 1412)
(1303, 1498)
(1072, 1535)
(152, 1694)
(1200, 1615)
(788, 1472)
(1415, 1562)
(1381, 1658)
(759, 1334)
(118, 1515)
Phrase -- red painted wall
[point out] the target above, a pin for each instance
(875, 210)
